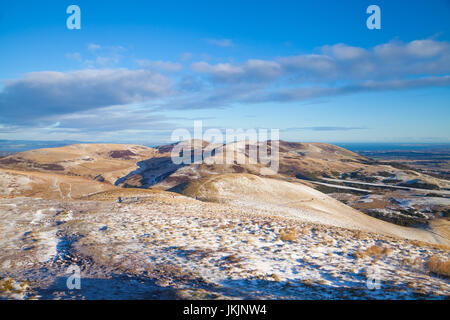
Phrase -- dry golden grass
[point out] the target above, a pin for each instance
(233, 259)
(307, 282)
(438, 266)
(430, 245)
(275, 277)
(373, 251)
(289, 235)
(416, 264)
(361, 235)
(225, 226)
(6, 285)
(305, 231)
(10, 286)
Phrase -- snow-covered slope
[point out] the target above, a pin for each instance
(295, 199)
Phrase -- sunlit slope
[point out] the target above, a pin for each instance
(16, 183)
(294, 199)
(143, 167)
(312, 161)
(103, 162)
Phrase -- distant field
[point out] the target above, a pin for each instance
(432, 159)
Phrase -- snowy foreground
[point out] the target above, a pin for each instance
(163, 246)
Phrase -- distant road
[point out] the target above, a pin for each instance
(445, 192)
(335, 186)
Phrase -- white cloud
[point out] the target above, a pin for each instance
(160, 65)
(94, 46)
(343, 52)
(40, 94)
(252, 70)
(393, 60)
(415, 49)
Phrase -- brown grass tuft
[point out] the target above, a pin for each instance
(233, 259)
(438, 266)
(275, 277)
(289, 235)
(6, 285)
(373, 251)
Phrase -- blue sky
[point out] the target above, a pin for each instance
(139, 69)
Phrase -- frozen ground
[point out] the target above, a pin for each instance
(164, 246)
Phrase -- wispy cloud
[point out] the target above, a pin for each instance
(98, 56)
(186, 56)
(324, 128)
(252, 70)
(220, 42)
(160, 65)
(393, 60)
(74, 56)
(94, 46)
(333, 70)
(40, 94)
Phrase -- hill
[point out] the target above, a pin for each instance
(283, 198)
(102, 162)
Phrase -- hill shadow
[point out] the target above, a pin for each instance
(151, 171)
(126, 287)
(117, 287)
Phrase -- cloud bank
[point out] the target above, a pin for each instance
(47, 93)
(51, 98)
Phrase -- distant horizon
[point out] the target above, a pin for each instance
(25, 145)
